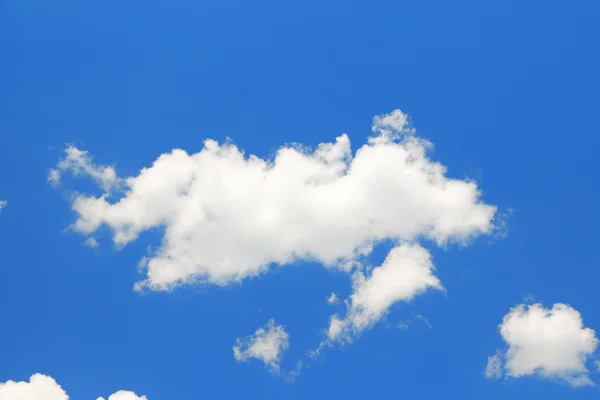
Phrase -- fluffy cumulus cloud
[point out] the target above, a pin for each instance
(267, 344)
(550, 343)
(3, 204)
(227, 216)
(43, 387)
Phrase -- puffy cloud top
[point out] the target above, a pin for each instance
(43, 387)
(124, 395)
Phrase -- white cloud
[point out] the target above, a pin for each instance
(79, 162)
(39, 387)
(493, 369)
(3, 204)
(293, 374)
(43, 387)
(390, 127)
(406, 272)
(403, 325)
(91, 242)
(333, 299)
(227, 216)
(267, 344)
(424, 320)
(550, 343)
(54, 176)
(124, 395)
(336, 327)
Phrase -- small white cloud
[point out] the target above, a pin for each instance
(389, 127)
(424, 320)
(79, 162)
(53, 176)
(43, 387)
(267, 344)
(39, 387)
(549, 343)
(333, 299)
(3, 204)
(493, 369)
(403, 325)
(336, 327)
(406, 272)
(293, 374)
(91, 242)
(529, 299)
(124, 395)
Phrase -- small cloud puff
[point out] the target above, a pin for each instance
(549, 343)
(267, 344)
(333, 299)
(79, 162)
(124, 395)
(406, 272)
(91, 242)
(493, 369)
(424, 320)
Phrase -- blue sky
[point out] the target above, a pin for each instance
(506, 92)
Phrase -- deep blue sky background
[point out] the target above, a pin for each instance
(507, 91)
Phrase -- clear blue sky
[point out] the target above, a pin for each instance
(507, 91)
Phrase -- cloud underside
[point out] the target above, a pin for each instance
(43, 387)
(549, 343)
(227, 216)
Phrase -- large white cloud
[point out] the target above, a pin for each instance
(43, 387)
(267, 344)
(227, 216)
(550, 343)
